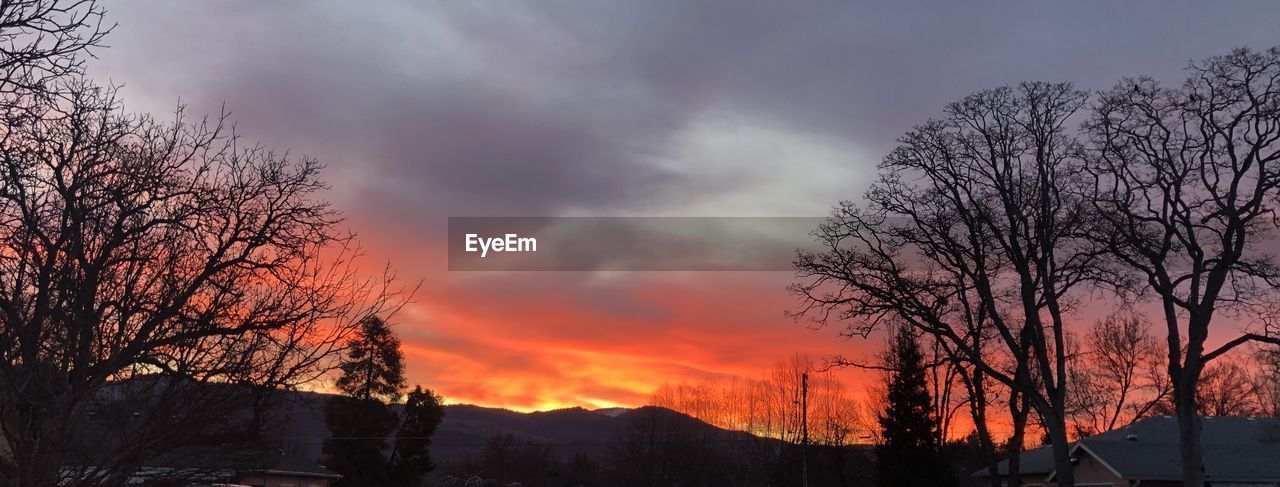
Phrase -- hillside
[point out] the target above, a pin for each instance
(467, 428)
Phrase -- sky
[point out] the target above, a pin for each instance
(426, 110)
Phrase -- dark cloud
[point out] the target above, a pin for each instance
(424, 110)
(467, 108)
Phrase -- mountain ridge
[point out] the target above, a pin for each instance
(467, 428)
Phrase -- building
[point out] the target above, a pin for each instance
(275, 470)
(1238, 452)
(289, 471)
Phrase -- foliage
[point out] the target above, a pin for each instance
(361, 421)
(909, 454)
(374, 368)
(356, 450)
(411, 458)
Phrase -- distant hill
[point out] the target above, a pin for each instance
(467, 428)
(611, 411)
(625, 444)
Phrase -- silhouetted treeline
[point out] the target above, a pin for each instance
(659, 447)
(662, 448)
(770, 406)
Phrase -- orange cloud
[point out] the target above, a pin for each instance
(542, 340)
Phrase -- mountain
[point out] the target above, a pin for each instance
(466, 428)
(503, 444)
(614, 412)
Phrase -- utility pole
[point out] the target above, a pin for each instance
(804, 429)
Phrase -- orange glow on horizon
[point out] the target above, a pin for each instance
(535, 341)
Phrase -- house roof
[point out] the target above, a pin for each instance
(1162, 461)
(1234, 448)
(297, 466)
(1034, 461)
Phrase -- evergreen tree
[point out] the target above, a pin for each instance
(358, 429)
(411, 459)
(360, 421)
(908, 454)
(374, 368)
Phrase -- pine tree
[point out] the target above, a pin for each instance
(374, 368)
(356, 450)
(411, 459)
(908, 454)
(360, 420)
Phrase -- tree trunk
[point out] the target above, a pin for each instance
(1015, 462)
(1186, 379)
(1019, 408)
(1189, 438)
(1061, 455)
(989, 451)
(1015, 470)
(36, 468)
(37, 454)
(976, 388)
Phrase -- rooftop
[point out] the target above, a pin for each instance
(1235, 448)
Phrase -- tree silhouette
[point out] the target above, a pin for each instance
(971, 235)
(374, 368)
(1117, 377)
(908, 454)
(162, 272)
(1185, 183)
(45, 43)
(359, 429)
(159, 281)
(361, 420)
(410, 458)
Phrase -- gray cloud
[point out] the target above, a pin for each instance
(468, 108)
(424, 110)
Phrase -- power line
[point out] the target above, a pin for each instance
(392, 437)
(557, 444)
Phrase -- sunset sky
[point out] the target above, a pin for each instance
(426, 110)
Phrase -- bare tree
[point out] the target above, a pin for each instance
(163, 268)
(835, 417)
(1266, 381)
(943, 379)
(1227, 389)
(43, 44)
(1117, 377)
(1186, 186)
(978, 391)
(970, 229)
(1019, 411)
(771, 405)
(977, 402)
(155, 277)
